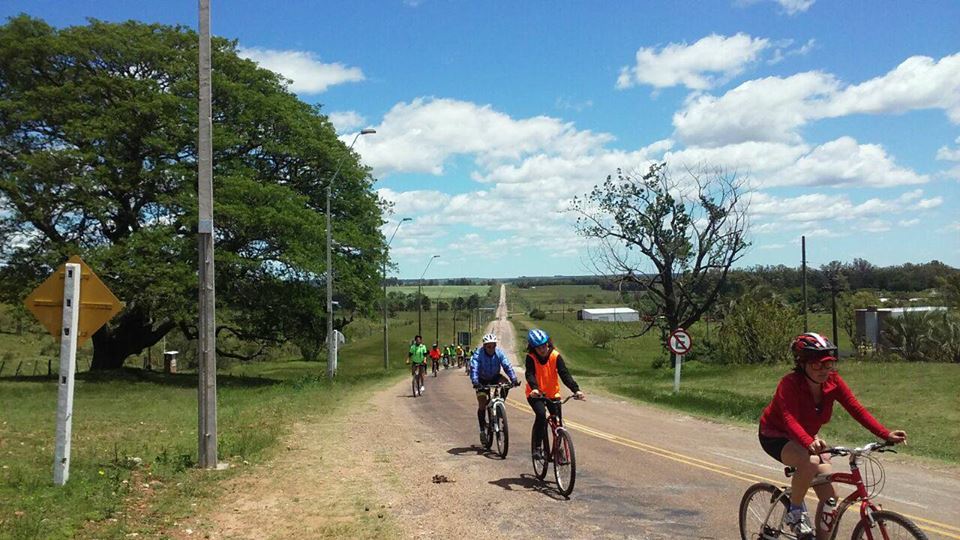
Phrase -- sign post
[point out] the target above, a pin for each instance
(72, 312)
(679, 344)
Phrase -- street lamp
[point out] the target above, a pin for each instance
(419, 295)
(331, 339)
(386, 348)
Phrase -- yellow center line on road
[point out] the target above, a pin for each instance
(931, 526)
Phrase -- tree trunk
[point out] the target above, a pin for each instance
(130, 334)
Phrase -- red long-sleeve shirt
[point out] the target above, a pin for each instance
(793, 414)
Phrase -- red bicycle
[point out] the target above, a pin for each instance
(764, 506)
(558, 449)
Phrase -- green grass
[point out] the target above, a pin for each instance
(556, 298)
(152, 416)
(443, 291)
(920, 398)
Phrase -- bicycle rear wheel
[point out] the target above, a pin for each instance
(500, 431)
(755, 506)
(564, 462)
(889, 526)
(540, 465)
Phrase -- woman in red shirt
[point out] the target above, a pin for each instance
(803, 403)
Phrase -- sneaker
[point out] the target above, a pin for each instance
(799, 523)
(421, 389)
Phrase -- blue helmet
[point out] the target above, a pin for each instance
(537, 337)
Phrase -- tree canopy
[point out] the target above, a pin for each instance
(675, 238)
(98, 157)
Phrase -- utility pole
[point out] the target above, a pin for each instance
(803, 273)
(207, 346)
(834, 285)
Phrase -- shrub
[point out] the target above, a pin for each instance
(757, 331)
(601, 336)
(924, 336)
(537, 314)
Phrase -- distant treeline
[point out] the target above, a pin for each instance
(859, 274)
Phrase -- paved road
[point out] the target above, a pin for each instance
(642, 472)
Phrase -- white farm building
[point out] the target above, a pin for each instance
(610, 314)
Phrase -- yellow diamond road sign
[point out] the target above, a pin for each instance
(97, 304)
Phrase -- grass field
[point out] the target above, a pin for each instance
(443, 291)
(920, 398)
(555, 298)
(152, 416)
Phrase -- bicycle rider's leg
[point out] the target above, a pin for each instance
(824, 492)
(504, 380)
(807, 467)
(482, 398)
(540, 423)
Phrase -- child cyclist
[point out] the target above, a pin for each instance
(544, 371)
(789, 426)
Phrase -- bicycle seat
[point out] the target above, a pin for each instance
(789, 471)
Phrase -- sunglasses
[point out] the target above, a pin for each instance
(829, 365)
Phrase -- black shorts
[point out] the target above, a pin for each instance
(773, 446)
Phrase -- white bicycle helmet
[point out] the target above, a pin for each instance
(489, 338)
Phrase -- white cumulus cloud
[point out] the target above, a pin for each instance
(346, 120)
(307, 74)
(775, 108)
(699, 66)
(420, 136)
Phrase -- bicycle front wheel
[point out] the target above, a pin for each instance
(564, 462)
(500, 431)
(888, 526)
(763, 509)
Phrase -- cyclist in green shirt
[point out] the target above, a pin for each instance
(417, 357)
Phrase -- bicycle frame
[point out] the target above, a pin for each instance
(853, 478)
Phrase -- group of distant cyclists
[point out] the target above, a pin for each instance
(488, 365)
(788, 429)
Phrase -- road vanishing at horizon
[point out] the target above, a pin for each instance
(642, 472)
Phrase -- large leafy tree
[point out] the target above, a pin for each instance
(98, 157)
(675, 238)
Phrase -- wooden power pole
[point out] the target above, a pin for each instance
(207, 347)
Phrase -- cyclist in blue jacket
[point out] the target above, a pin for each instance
(485, 366)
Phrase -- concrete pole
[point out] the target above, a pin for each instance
(207, 382)
(68, 368)
(331, 339)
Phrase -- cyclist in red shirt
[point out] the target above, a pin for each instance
(790, 424)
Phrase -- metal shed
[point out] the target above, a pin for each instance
(614, 314)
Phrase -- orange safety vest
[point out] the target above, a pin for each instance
(548, 379)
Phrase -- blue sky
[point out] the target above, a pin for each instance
(843, 116)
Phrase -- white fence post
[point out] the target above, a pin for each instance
(68, 368)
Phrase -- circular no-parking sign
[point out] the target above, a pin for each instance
(679, 342)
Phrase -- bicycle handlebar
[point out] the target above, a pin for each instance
(561, 402)
(496, 386)
(863, 450)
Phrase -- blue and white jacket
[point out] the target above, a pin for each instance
(484, 367)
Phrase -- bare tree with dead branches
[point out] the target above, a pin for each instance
(674, 238)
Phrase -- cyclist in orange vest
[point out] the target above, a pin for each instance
(544, 371)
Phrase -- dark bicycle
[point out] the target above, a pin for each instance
(558, 449)
(497, 430)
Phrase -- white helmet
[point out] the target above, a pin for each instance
(489, 338)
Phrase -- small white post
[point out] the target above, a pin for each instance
(68, 368)
(676, 374)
